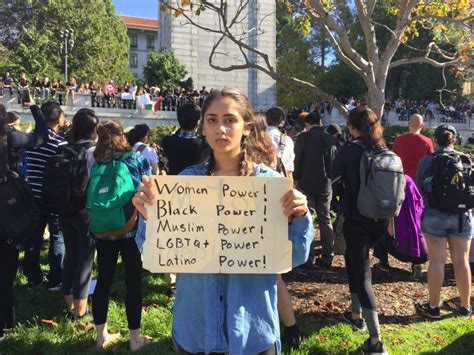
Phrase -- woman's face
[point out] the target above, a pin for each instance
(224, 126)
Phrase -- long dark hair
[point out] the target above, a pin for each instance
(368, 124)
(251, 144)
(138, 134)
(84, 125)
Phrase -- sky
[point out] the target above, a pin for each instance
(141, 8)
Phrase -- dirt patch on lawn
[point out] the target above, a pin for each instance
(320, 293)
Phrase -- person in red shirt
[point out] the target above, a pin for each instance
(413, 146)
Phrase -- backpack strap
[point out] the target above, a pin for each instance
(141, 148)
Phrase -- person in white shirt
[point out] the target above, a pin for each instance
(139, 140)
(284, 145)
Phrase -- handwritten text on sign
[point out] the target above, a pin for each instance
(209, 224)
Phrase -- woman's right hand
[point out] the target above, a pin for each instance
(145, 195)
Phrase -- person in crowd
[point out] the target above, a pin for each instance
(291, 335)
(16, 140)
(139, 140)
(71, 87)
(360, 232)
(335, 130)
(7, 81)
(443, 230)
(298, 126)
(45, 87)
(36, 162)
(37, 86)
(112, 144)
(79, 245)
(61, 93)
(248, 302)
(184, 148)
(23, 85)
(142, 98)
(315, 151)
(54, 87)
(413, 146)
(284, 145)
(470, 140)
(93, 90)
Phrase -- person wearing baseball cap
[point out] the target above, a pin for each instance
(443, 228)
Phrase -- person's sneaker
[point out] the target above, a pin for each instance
(384, 267)
(54, 287)
(357, 324)
(324, 262)
(368, 348)
(464, 312)
(416, 270)
(425, 309)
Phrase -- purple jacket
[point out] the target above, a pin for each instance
(409, 239)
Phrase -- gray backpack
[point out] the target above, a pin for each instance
(382, 183)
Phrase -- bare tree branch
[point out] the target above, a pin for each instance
(344, 42)
(451, 59)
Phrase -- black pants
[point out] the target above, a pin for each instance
(107, 255)
(181, 351)
(8, 267)
(79, 256)
(360, 236)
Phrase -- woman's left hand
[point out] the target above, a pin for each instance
(294, 203)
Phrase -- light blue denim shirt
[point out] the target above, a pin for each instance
(233, 313)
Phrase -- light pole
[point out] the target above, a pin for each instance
(66, 46)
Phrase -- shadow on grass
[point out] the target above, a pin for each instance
(462, 345)
(84, 346)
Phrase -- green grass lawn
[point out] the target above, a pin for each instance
(325, 336)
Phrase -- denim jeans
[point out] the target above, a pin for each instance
(33, 244)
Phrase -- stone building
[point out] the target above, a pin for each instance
(143, 35)
(193, 45)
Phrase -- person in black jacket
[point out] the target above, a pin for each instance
(315, 151)
(185, 147)
(360, 232)
(16, 140)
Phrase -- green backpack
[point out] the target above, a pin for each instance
(109, 198)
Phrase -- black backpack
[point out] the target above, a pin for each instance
(449, 182)
(65, 180)
(18, 209)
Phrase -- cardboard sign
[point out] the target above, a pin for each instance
(210, 224)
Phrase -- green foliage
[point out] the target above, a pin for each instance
(163, 69)
(157, 133)
(100, 39)
(340, 80)
(294, 55)
(391, 132)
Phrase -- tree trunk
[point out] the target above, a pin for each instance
(376, 101)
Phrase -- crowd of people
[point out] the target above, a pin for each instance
(224, 137)
(130, 95)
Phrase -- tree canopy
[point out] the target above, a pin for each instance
(29, 30)
(365, 35)
(163, 69)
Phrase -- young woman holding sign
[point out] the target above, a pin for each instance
(232, 313)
